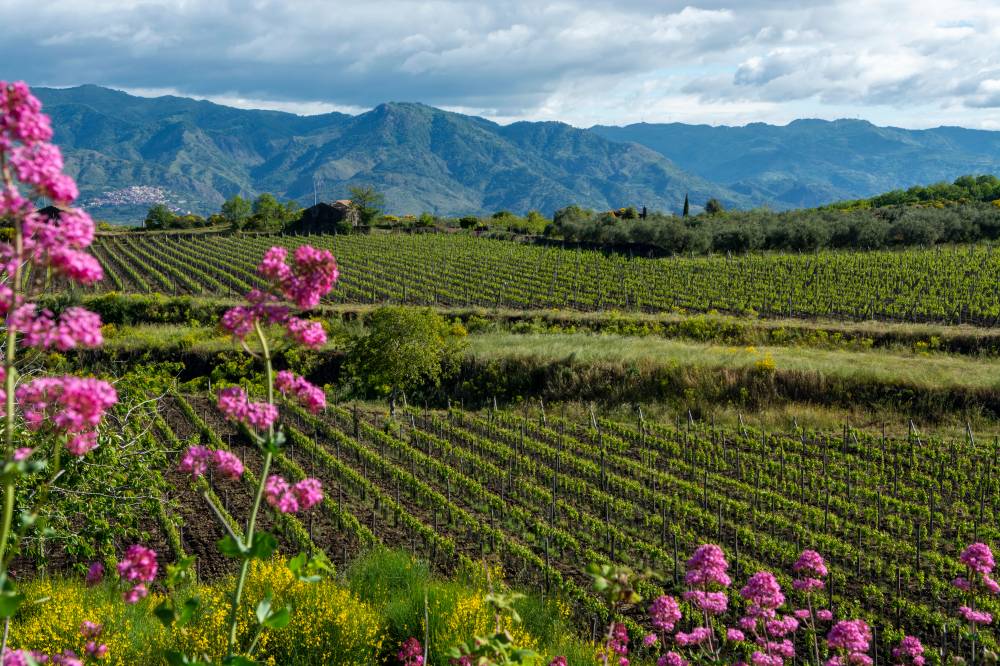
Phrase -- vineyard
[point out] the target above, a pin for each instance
(952, 286)
(540, 494)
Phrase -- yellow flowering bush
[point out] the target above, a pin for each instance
(329, 624)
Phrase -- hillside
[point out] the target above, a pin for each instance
(422, 158)
(815, 162)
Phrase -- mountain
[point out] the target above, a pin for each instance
(195, 154)
(815, 162)
(127, 152)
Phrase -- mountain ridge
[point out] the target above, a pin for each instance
(424, 158)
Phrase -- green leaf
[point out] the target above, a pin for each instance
(230, 548)
(263, 546)
(165, 612)
(264, 608)
(298, 563)
(278, 619)
(187, 611)
(10, 601)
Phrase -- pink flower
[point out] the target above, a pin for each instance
(618, 643)
(782, 626)
(67, 405)
(978, 557)
(76, 327)
(275, 487)
(801, 613)
(763, 593)
(235, 405)
(558, 661)
(734, 635)
(707, 566)
(228, 464)
(713, 603)
(991, 584)
(308, 492)
(696, 636)
(962, 584)
(82, 444)
(909, 651)
(807, 584)
(23, 453)
(649, 640)
(671, 659)
(664, 613)
(307, 333)
(974, 616)
(20, 116)
(273, 267)
(96, 651)
(824, 614)
(850, 635)
(411, 653)
(95, 573)
(135, 594)
(195, 461)
(315, 273)
(77, 266)
(763, 659)
(263, 307)
(261, 415)
(311, 396)
(17, 657)
(139, 564)
(90, 629)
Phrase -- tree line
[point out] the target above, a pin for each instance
(967, 210)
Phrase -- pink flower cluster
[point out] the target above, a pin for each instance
(559, 661)
(306, 332)
(910, 652)
(234, 403)
(75, 327)
(671, 659)
(55, 242)
(311, 276)
(292, 385)
(764, 594)
(850, 639)
(811, 568)
(92, 631)
(707, 566)
(71, 406)
(197, 459)
(978, 557)
(664, 613)
(31, 657)
(288, 498)
(979, 563)
(411, 653)
(617, 644)
(138, 567)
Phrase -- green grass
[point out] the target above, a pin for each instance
(922, 370)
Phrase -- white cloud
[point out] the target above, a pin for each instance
(915, 63)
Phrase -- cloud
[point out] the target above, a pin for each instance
(583, 61)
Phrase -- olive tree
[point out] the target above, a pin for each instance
(404, 349)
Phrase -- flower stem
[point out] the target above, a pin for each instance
(11, 373)
(252, 521)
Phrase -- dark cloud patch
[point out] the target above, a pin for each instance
(517, 57)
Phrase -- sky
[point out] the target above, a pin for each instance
(918, 63)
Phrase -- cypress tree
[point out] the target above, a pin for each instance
(687, 206)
